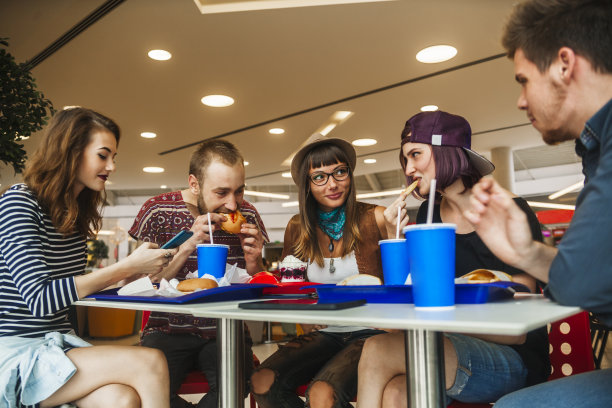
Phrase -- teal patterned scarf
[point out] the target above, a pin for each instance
(332, 223)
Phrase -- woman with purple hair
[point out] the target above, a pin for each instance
(479, 368)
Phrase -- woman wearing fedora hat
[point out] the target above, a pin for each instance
(479, 368)
(338, 237)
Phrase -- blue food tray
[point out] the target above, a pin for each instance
(233, 292)
(465, 293)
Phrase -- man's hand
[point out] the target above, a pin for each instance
(391, 215)
(500, 223)
(252, 242)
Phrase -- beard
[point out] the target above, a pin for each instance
(556, 136)
(202, 205)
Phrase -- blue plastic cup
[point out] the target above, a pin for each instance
(394, 256)
(212, 259)
(431, 254)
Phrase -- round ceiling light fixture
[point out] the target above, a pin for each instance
(276, 131)
(153, 169)
(159, 55)
(429, 108)
(217, 101)
(436, 53)
(148, 135)
(364, 142)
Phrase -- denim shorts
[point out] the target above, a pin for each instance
(486, 371)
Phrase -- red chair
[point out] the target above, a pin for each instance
(570, 350)
(195, 382)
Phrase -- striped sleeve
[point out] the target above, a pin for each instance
(41, 263)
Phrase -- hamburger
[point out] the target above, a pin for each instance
(190, 285)
(233, 222)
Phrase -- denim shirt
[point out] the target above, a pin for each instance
(581, 272)
(39, 365)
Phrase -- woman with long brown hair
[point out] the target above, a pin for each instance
(44, 223)
(338, 237)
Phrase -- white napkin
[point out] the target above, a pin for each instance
(233, 274)
(144, 287)
(140, 287)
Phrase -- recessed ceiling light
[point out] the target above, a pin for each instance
(364, 142)
(327, 129)
(369, 161)
(276, 131)
(246, 163)
(153, 169)
(342, 115)
(148, 135)
(159, 55)
(217, 101)
(268, 195)
(163, 186)
(437, 53)
(429, 108)
(286, 174)
(19, 138)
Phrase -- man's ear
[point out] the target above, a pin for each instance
(566, 59)
(194, 185)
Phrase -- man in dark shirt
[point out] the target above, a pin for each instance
(216, 185)
(562, 52)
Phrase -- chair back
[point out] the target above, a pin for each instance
(570, 346)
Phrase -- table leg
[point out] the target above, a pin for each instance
(425, 369)
(230, 340)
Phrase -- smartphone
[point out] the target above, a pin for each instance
(177, 240)
(300, 304)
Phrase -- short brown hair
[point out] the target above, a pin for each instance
(210, 150)
(51, 172)
(541, 27)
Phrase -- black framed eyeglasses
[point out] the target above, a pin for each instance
(320, 178)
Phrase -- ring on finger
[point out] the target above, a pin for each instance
(167, 255)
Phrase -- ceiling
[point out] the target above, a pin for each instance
(290, 68)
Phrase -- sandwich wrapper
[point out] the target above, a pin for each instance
(144, 286)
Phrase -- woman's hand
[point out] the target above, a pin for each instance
(148, 259)
(391, 215)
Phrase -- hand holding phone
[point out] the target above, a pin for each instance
(177, 240)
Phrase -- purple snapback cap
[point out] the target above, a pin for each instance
(444, 129)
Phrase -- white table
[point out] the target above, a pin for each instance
(425, 365)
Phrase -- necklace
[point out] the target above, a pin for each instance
(331, 245)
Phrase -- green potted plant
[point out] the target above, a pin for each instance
(96, 251)
(23, 109)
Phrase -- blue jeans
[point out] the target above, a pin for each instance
(486, 371)
(588, 390)
(320, 356)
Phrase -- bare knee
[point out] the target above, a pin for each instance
(370, 353)
(153, 364)
(126, 398)
(262, 380)
(394, 394)
(321, 395)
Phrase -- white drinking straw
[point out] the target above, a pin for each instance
(399, 211)
(430, 205)
(210, 229)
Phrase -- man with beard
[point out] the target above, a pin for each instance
(216, 185)
(562, 52)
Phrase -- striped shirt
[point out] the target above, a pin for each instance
(37, 267)
(162, 217)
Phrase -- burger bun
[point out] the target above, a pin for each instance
(190, 285)
(233, 222)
